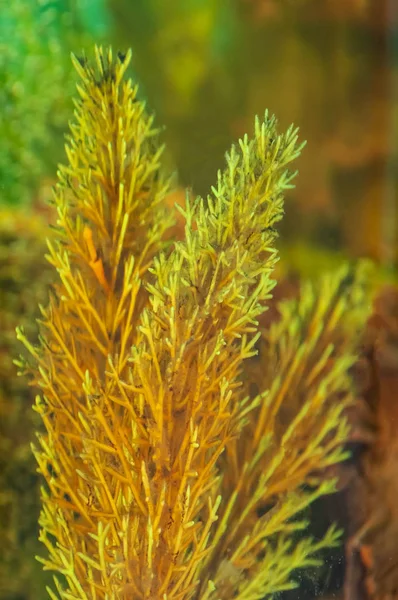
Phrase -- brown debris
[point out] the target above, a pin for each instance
(372, 551)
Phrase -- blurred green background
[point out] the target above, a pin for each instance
(206, 67)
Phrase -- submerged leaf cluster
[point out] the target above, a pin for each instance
(166, 476)
(35, 40)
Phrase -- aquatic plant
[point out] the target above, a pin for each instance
(35, 42)
(166, 475)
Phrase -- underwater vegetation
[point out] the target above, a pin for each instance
(180, 443)
(35, 43)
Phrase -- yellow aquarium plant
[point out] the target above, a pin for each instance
(167, 476)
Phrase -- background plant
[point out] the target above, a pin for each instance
(24, 279)
(36, 82)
